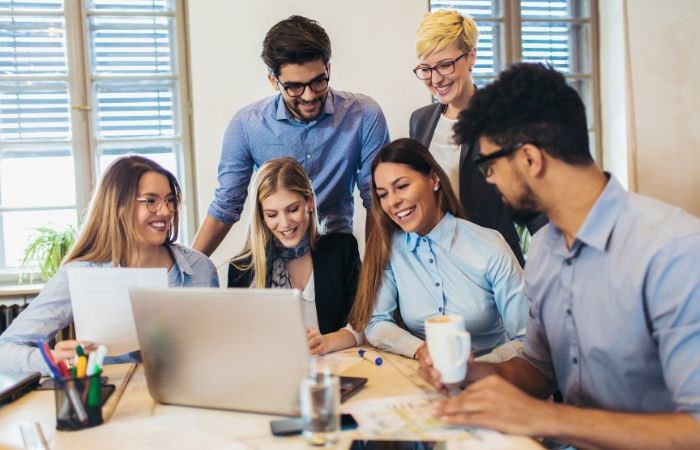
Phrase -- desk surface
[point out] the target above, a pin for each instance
(139, 422)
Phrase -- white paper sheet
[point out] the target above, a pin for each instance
(410, 417)
(101, 306)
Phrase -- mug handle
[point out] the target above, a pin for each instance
(462, 343)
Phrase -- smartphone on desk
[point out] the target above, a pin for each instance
(294, 425)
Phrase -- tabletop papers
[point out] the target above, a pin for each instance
(101, 306)
(410, 418)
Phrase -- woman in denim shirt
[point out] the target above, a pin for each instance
(132, 222)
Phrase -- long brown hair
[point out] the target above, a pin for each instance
(378, 246)
(276, 174)
(108, 234)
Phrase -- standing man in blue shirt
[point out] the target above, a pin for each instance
(333, 134)
(613, 285)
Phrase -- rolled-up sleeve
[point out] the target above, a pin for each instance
(672, 294)
(382, 331)
(235, 170)
(45, 316)
(375, 135)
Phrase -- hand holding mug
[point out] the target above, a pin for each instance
(449, 347)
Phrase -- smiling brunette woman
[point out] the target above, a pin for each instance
(287, 249)
(423, 260)
(132, 222)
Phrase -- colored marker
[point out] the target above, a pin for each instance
(100, 358)
(81, 367)
(371, 356)
(47, 354)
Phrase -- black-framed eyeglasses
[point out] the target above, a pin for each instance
(154, 202)
(483, 163)
(444, 67)
(293, 89)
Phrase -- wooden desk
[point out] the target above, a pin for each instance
(139, 422)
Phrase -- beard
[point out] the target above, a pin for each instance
(294, 103)
(524, 208)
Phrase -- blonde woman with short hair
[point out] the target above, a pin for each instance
(446, 44)
(286, 248)
(132, 222)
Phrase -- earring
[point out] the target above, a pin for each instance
(436, 188)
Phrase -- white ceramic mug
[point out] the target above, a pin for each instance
(449, 346)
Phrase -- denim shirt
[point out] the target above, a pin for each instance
(336, 151)
(51, 310)
(458, 268)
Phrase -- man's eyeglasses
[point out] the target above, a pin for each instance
(483, 163)
(293, 89)
(444, 67)
(154, 202)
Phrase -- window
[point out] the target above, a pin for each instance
(561, 33)
(82, 82)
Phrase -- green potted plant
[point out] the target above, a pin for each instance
(46, 250)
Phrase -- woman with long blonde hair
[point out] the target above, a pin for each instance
(132, 222)
(423, 259)
(286, 248)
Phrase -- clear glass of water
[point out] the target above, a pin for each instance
(320, 405)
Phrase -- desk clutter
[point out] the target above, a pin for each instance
(79, 392)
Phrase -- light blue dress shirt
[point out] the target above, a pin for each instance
(457, 268)
(336, 151)
(51, 310)
(615, 320)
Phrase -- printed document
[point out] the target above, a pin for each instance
(101, 305)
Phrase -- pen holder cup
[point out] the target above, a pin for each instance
(78, 402)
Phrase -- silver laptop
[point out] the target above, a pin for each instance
(239, 349)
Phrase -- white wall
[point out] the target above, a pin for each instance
(372, 43)
(653, 99)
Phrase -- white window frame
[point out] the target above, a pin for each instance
(83, 137)
(511, 48)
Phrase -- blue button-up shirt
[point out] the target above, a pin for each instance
(51, 310)
(336, 151)
(457, 268)
(615, 319)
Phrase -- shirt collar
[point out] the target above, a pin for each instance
(181, 261)
(441, 235)
(599, 223)
(282, 113)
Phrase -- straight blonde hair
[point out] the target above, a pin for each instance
(273, 176)
(108, 234)
(441, 28)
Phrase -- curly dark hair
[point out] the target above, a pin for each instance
(529, 103)
(295, 40)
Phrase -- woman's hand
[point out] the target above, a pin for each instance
(66, 349)
(317, 343)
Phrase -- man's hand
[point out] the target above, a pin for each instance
(492, 402)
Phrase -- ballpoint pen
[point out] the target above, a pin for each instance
(371, 356)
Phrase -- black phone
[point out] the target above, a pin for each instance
(294, 425)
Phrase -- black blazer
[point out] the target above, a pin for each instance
(336, 263)
(481, 201)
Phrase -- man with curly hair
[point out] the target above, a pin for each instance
(612, 282)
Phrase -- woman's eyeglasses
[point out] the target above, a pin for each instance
(154, 202)
(444, 67)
